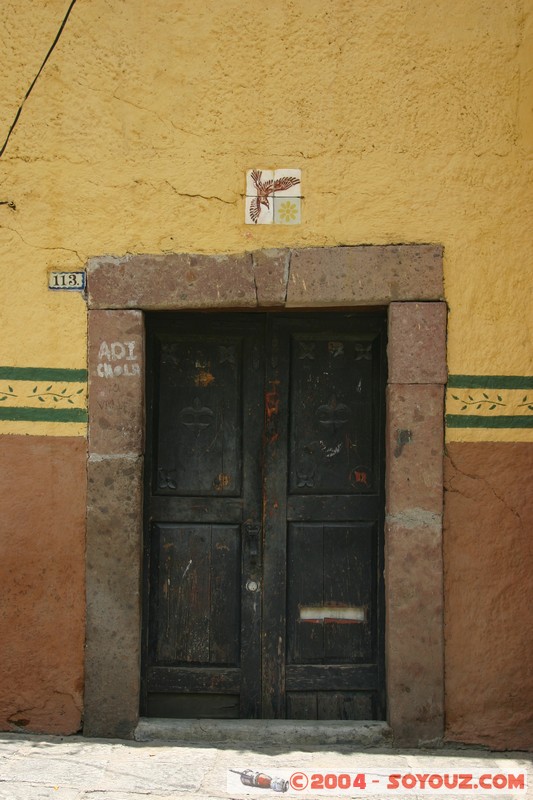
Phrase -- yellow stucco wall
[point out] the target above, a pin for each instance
(411, 122)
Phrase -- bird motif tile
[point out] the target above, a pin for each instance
(273, 196)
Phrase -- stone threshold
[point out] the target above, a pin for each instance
(265, 732)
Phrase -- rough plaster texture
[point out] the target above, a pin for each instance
(42, 497)
(409, 125)
(488, 558)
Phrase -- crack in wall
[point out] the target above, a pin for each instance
(207, 197)
(203, 196)
(164, 120)
(254, 279)
(81, 259)
(115, 96)
(485, 482)
(287, 275)
(18, 717)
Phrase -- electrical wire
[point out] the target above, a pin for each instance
(34, 81)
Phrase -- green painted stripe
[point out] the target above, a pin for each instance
(458, 421)
(490, 382)
(42, 374)
(44, 414)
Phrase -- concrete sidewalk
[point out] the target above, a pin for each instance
(75, 768)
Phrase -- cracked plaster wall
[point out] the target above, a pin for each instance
(410, 122)
(488, 558)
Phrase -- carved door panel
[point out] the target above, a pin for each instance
(202, 655)
(264, 516)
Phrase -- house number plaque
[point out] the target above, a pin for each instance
(69, 281)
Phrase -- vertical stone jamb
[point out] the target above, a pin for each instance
(114, 523)
(413, 529)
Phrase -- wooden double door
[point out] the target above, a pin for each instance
(264, 516)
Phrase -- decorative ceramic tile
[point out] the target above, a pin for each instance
(69, 281)
(287, 210)
(255, 176)
(264, 188)
(288, 182)
(259, 211)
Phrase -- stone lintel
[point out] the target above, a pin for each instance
(360, 275)
(364, 275)
(171, 282)
(271, 273)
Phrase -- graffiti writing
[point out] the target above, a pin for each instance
(122, 352)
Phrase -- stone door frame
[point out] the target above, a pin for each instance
(408, 280)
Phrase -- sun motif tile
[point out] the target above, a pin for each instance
(287, 210)
(264, 188)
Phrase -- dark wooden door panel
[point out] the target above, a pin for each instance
(202, 654)
(332, 406)
(323, 540)
(191, 705)
(196, 608)
(199, 417)
(330, 705)
(264, 516)
(331, 594)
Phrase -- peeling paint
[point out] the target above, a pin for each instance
(333, 613)
(403, 437)
(203, 378)
(272, 400)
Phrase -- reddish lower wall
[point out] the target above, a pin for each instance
(42, 501)
(488, 556)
